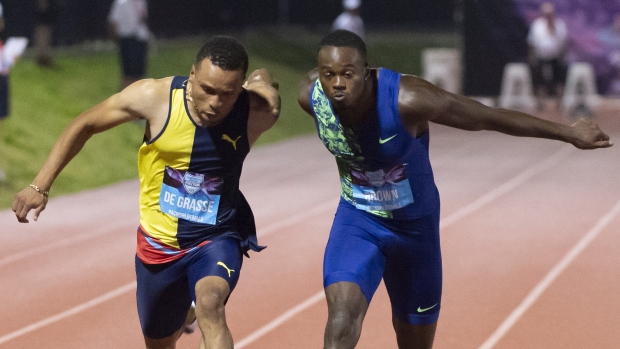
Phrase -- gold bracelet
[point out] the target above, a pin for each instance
(45, 193)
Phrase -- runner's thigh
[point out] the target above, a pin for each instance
(221, 257)
(352, 253)
(413, 274)
(162, 297)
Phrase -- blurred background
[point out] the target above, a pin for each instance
(84, 20)
(493, 29)
(480, 36)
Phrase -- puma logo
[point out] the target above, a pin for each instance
(233, 142)
(226, 267)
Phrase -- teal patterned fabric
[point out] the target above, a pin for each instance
(341, 142)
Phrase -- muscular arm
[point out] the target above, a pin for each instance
(419, 101)
(145, 99)
(304, 89)
(264, 103)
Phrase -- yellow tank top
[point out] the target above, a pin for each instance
(189, 180)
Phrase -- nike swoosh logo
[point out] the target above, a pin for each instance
(421, 310)
(382, 141)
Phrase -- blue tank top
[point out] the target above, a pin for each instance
(383, 169)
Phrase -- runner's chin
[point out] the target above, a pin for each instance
(340, 102)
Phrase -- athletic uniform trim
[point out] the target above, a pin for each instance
(153, 139)
(153, 249)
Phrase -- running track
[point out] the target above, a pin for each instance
(530, 238)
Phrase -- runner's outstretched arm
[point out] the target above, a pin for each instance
(421, 101)
(134, 102)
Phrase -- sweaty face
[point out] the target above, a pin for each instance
(213, 91)
(342, 72)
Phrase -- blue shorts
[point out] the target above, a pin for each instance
(165, 291)
(363, 248)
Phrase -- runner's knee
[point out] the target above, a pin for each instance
(414, 336)
(346, 306)
(211, 295)
(344, 326)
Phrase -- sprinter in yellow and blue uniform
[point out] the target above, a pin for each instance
(195, 225)
(193, 196)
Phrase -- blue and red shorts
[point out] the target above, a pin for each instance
(165, 291)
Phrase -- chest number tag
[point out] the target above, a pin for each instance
(380, 190)
(190, 196)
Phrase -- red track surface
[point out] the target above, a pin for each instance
(530, 237)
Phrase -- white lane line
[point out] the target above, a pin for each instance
(65, 314)
(507, 186)
(296, 218)
(92, 233)
(459, 214)
(490, 196)
(485, 199)
(553, 274)
(317, 297)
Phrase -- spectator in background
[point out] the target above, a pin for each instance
(46, 16)
(127, 21)
(547, 40)
(610, 38)
(350, 18)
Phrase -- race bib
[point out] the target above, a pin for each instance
(381, 190)
(190, 196)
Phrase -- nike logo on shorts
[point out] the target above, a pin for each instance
(421, 310)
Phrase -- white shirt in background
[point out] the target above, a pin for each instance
(545, 44)
(129, 17)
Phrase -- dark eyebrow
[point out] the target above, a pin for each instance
(209, 87)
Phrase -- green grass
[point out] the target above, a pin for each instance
(44, 101)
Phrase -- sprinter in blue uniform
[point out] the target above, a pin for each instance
(375, 123)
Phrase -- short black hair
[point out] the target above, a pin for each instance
(224, 52)
(344, 38)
